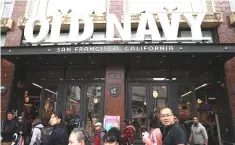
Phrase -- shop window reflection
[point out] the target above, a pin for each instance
(73, 106)
(93, 108)
(49, 102)
(139, 109)
(49, 106)
(185, 103)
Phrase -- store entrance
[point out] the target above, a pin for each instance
(83, 104)
(143, 99)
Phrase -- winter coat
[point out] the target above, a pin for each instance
(155, 137)
(198, 134)
(36, 133)
(8, 130)
(128, 135)
(22, 127)
(58, 136)
(98, 138)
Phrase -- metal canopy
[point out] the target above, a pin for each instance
(119, 48)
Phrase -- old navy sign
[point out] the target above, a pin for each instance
(170, 28)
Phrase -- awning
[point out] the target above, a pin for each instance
(119, 48)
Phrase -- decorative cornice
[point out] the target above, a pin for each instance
(6, 24)
(232, 18)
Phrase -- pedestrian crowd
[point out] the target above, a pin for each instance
(164, 130)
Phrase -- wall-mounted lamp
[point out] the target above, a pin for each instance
(69, 11)
(217, 16)
(60, 11)
(96, 100)
(155, 94)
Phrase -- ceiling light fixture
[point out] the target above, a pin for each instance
(73, 101)
(162, 79)
(45, 88)
(195, 89)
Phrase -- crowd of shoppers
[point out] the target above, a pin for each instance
(168, 133)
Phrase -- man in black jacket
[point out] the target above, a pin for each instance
(8, 129)
(173, 134)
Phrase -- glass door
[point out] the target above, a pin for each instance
(138, 110)
(94, 100)
(143, 100)
(84, 105)
(74, 105)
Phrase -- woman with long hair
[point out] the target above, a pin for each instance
(59, 134)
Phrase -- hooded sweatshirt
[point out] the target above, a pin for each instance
(128, 134)
(36, 133)
(198, 134)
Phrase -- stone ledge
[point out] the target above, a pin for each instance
(6, 24)
(232, 18)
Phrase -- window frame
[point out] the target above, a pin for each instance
(35, 10)
(3, 8)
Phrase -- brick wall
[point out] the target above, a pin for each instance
(7, 73)
(13, 37)
(116, 7)
(230, 77)
(114, 76)
(226, 32)
(115, 106)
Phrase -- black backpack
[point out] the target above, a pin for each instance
(45, 133)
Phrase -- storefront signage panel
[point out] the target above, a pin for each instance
(169, 24)
(138, 48)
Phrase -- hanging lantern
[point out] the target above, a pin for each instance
(96, 100)
(155, 94)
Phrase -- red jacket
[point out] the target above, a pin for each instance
(128, 135)
(98, 138)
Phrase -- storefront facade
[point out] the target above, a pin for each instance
(88, 80)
